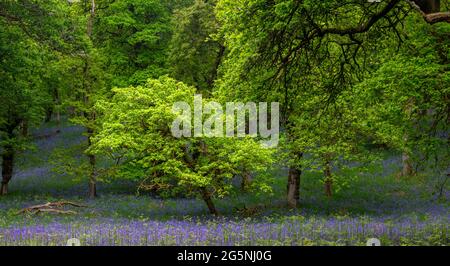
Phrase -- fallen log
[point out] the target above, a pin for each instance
(51, 207)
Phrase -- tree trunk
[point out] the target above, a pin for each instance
(57, 101)
(215, 70)
(71, 111)
(407, 169)
(293, 191)
(93, 173)
(7, 168)
(246, 180)
(328, 180)
(208, 200)
(90, 22)
(92, 189)
(92, 177)
(48, 114)
(24, 128)
(407, 165)
(58, 121)
(328, 188)
(429, 6)
(90, 131)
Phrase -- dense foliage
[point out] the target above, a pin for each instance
(353, 79)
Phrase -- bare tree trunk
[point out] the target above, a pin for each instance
(206, 196)
(328, 180)
(7, 168)
(293, 191)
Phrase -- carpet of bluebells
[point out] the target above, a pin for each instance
(398, 211)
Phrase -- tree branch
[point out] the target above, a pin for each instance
(431, 18)
(362, 27)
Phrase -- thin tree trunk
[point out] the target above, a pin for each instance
(92, 177)
(328, 180)
(48, 114)
(293, 186)
(208, 200)
(407, 169)
(215, 70)
(58, 121)
(297, 185)
(407, 165)
(24, 128)
(71, 111)
(58, 118)
(57, 100)
(93, 173)
(7, 168)
(90, 131)
(246, 180)
(293, 191)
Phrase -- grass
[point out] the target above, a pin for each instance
(374, 204)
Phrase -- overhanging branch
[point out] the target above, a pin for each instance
(362, 27)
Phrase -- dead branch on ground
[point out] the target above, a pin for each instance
(51, 207)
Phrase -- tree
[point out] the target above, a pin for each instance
(30, 37)
(404, 103)
(133, 36)
(125, 43)
(44, 21)
(20, 93)
(136, 133)
(277, 48)
(89, 87)
(196, 51)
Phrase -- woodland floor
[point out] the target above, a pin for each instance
(375, 203)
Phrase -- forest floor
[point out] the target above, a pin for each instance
(375, 203)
